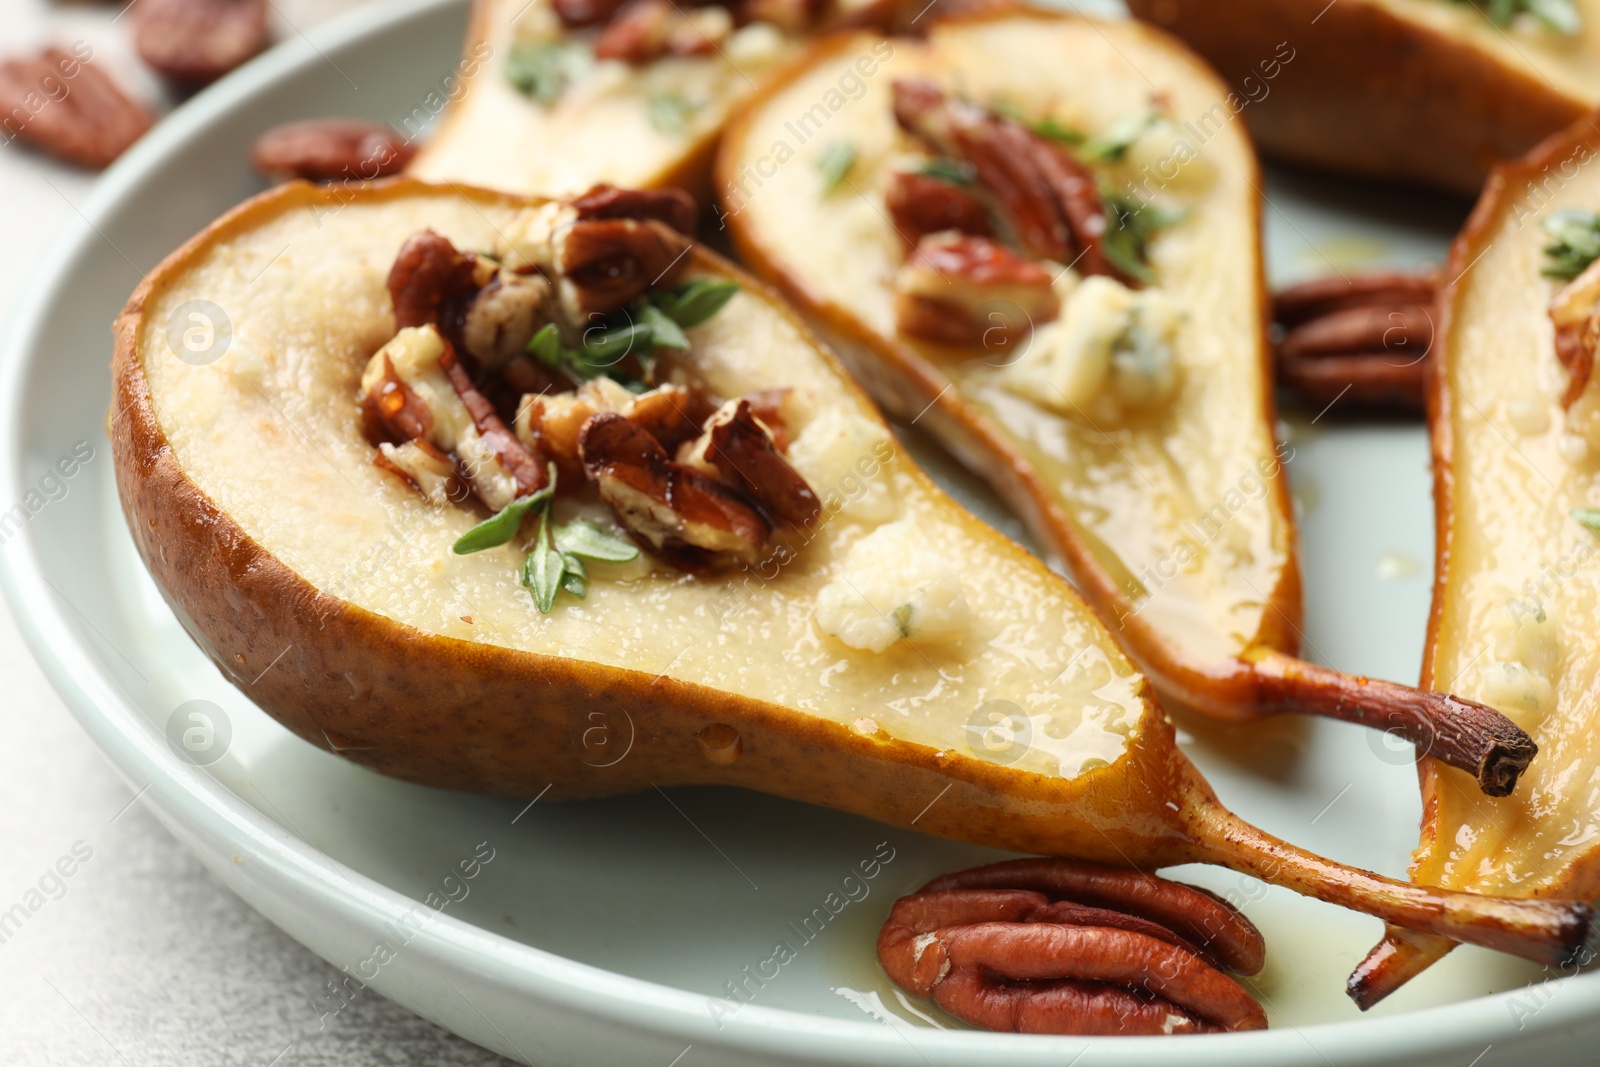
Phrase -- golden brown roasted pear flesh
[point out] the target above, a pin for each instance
(251, 492)
(557, 95)
(1516, 590)
(1142, 453)
(1426, 91)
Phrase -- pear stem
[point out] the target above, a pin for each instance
(1552, 932)
(1465, 734)
(1394, 961)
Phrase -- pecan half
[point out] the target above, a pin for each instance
(1575, 313)
(737, 448)
(195, 42)
(605, 264)
(962, 290)
(1049, 197)
(1062, 947)
(920, 205)
(674, 207)
(669, 506)
(1365, 339)
(327, 150)
(61, 105)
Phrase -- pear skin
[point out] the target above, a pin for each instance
(324, 588)
(1427, 93)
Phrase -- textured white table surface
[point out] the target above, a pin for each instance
(140, 957)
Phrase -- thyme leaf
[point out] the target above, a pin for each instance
(504, 524)
(1575, 242)
(835, 163)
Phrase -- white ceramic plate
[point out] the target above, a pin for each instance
(609, 932)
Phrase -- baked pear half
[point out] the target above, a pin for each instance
(1515, 418)
(1434, 92)
(447, 480)
(976, 238)
(557, 95)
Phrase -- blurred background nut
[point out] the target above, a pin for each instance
(333, 149)
(195, 42)
(58, 102)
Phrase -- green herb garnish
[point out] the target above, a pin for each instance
(585, 539)
(1113, 144)
(1589, 518)
(542, 69)
(1576, 242)
(1045, 127)
(691, 304)
(1557, 16)
(503, 526)
(556, 560)
(670, 113)
(949, 170)
(664, 329)
(543, 567)
(835, 163)
(657, 321)
(603, 347)
(1129, 229)
(1052, 129)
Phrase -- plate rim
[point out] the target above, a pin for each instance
(211, 820)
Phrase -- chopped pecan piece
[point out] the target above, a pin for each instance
(672, 414)
(605, 264)
(1364, 339)
(432, 282)
(1048, 195)
(523, 464)
(390, 409)
(503, 316)
(328, 150)
(1060, 947)
(1575, 313)
(962, 290)
(60, 104)
(739, 450)
(195, 42)
(413, 389)
(674, 207)
(768, 405)
(645, 30)
(552, 422)
(793, 17)
(920, 205)
(669, 506)
(429, 471)
(581, 13)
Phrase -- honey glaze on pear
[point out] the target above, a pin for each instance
(1517, 588)
(1113, 384)
(437, 668)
